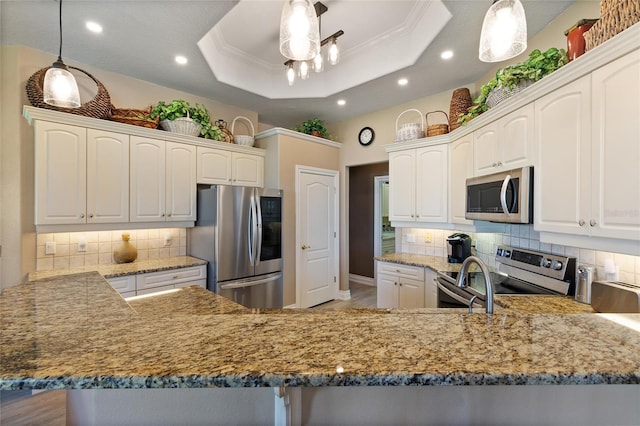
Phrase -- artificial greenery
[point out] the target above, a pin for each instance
(180, 108)
(313, 125)
(538, 65)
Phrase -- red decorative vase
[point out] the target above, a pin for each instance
(575, 37)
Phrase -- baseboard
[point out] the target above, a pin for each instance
(344, 294)
(294, 306)
(362, 280)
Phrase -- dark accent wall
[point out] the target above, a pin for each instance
(361, 215)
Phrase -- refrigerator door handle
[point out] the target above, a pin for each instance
(259, 231)
(242, 284)
(250, 238)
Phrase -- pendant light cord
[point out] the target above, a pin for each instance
(60, 50)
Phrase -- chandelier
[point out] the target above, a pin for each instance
(300, 27)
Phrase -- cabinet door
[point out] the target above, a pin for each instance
(515, 135)
(125, 284)
(402, 185)
(460, 168)
(387, 291)
(214, 166)
(147, 180)
(247, 169)
(107, 177)
(430, 289)
(60, 173)
(563, 161)
(181, 182)
(431, 190)
(485, 150)
(615, 184)
(411, 294)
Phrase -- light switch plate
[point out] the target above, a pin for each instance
(411, 238)
(82, 244)
(167, 240)
(50, 247)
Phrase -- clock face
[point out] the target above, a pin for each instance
(366, 136)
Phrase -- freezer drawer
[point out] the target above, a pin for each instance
(262, 291)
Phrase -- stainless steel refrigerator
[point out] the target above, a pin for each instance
(239, 232)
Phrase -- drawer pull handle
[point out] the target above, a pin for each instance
(175, 277)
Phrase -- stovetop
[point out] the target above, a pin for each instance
(502, 284)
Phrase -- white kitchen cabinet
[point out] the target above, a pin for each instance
(219, 167)
(126, 285)
(506, 143)
(460, 168)
(430, 289)
(399, 286)
(162, 181)
(163, 280)
(418, 184)
(82, 175)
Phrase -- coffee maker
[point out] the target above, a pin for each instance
(459, 248)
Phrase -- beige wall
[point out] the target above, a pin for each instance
(284, 153)
(16, 148)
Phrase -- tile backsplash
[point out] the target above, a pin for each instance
(100, 245)
(433, 242)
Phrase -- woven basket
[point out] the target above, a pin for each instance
(137, 117)
(499, 94)
(243, 139)
(437, 129)
(409, 131)
(182, 125)
(460, 103)
(616, 16)
(98, 107)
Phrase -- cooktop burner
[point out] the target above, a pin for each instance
(502, 284)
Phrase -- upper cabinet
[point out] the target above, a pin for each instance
(505, 144)
(418, 180)
(460, 168)
(229, 168)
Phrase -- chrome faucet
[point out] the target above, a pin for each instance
(464, 269)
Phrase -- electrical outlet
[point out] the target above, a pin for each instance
(428, 237)
(167, 240)
(50, 247)
(411, 238)
(82, 244)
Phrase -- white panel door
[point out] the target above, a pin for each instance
(402, 185)
(317, 235)
(460, 168)
(432, 183)
(485, 149)
(247, 169)
(181, 182)
(60, 173)
(615, 184)
(515, 136)
(147, 180)
(387, 291)
(214, 166)
(563, 163)
(410, 294)
(107, 177)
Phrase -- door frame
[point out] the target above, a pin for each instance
(299, 170)
(377, 213)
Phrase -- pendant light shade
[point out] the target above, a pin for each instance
(299, 33)
(60, 88)
(334, 52)
(504, 31)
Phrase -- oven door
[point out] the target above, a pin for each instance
(450, 296)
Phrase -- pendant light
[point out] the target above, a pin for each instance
(504, 31)
(299, 33)
(60, 88)
(334, 52)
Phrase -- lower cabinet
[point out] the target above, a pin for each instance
(430, 288)
(153, 282)
(399, 286)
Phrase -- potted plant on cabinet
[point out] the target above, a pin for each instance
(315, 127)
(512, 79)
(180, 117)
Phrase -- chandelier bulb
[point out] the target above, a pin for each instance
(334, 52)
(291, 75)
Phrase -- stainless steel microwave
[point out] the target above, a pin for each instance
(505, 197)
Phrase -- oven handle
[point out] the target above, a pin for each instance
(503, 195)
(455, 296)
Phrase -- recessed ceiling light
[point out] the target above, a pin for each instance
(181, 60)
(94, 27)
(447, 54)
(341, 102)
(403, 82)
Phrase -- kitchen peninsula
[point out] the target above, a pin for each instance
(77, 332)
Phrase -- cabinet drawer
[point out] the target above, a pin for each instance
(123, 284)
(152, 290)
(401, 270)
(172, 277)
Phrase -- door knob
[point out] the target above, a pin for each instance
(304, 247)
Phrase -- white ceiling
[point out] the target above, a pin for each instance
(240, 64)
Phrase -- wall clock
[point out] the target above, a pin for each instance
(366, 136)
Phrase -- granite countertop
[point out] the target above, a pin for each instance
(76, 331)
(123, 269)
(435, 263)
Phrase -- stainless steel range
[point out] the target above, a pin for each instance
(520, 272)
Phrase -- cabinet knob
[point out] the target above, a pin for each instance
(412, 216)
(81, 215)
(400, 284)
(169, 215)
(499, 163)
(162, 214)
(592, 222)
(581, 222)
(395, 283)
(90, 215)
(494, 164)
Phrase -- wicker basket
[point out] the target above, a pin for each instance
(499, 94)
(182, 125)
(460, 103)
(137, 117)
(616, 16)
(409, 131)
(437, 129)
(98, 107)
(243, 139)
